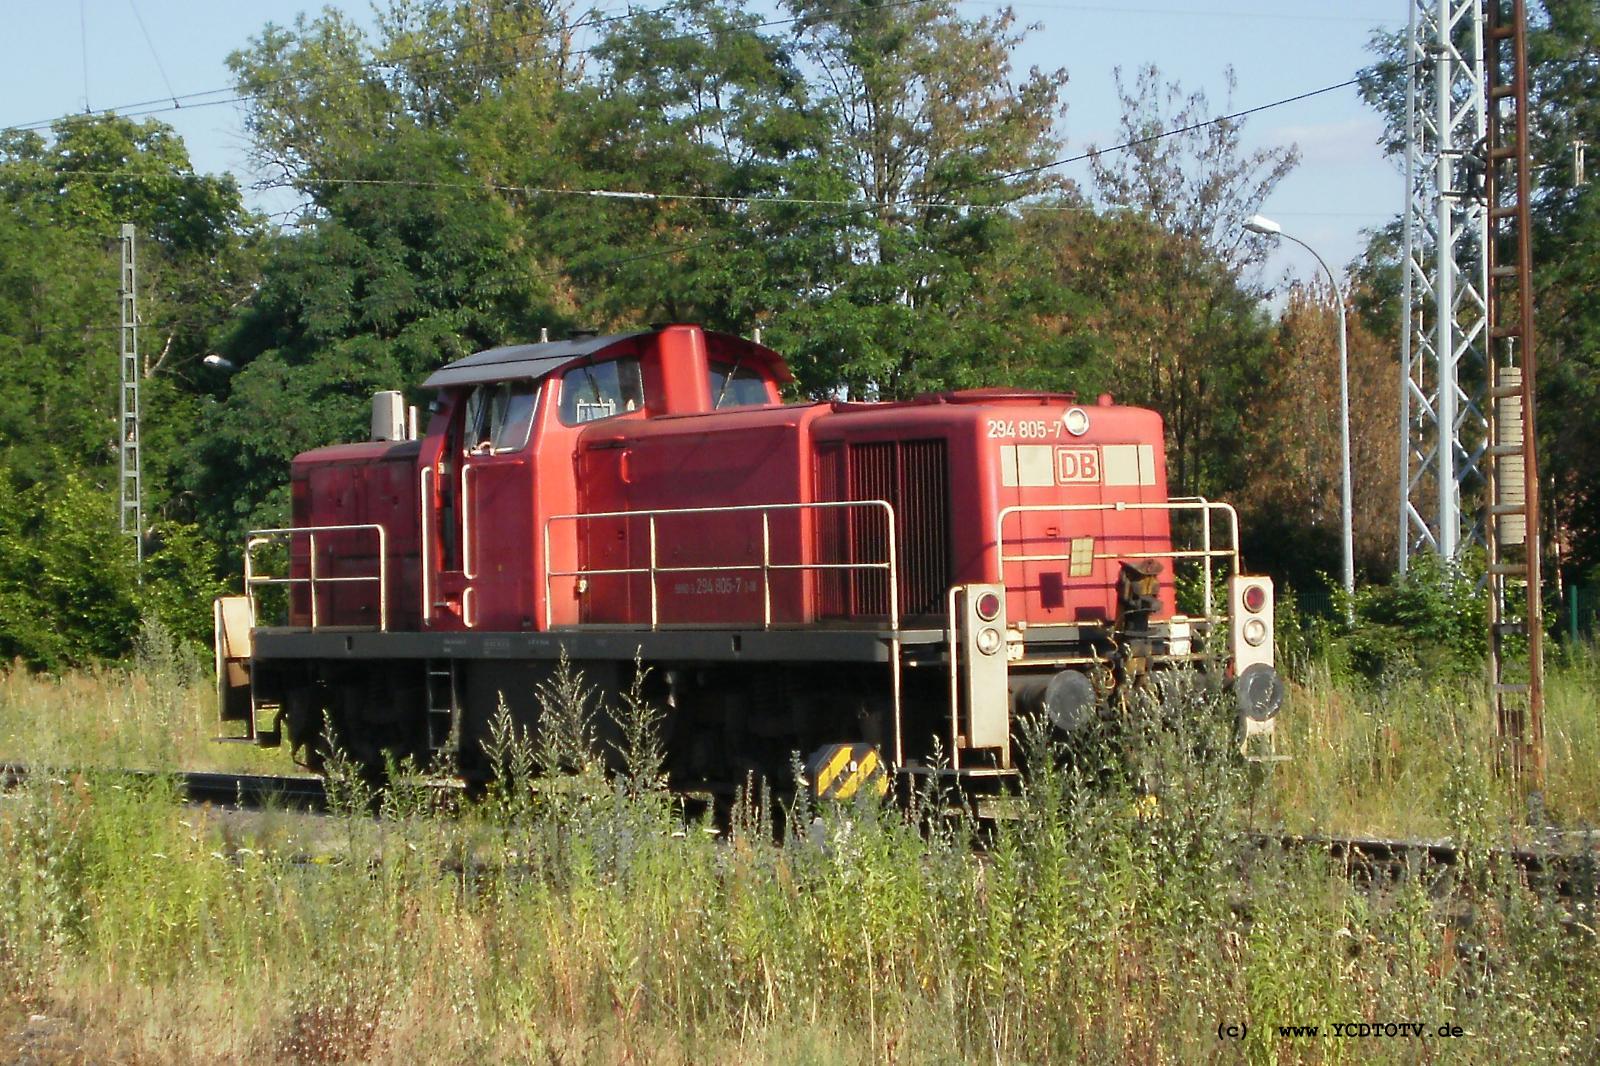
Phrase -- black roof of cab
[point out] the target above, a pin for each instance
(515, 361)
(521, 360)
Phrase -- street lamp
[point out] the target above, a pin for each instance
(1266, 227)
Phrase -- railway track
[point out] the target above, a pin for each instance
(1568, 866)
(250, 791)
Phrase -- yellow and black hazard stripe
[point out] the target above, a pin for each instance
(839, 771)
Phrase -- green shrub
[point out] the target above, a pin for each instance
(1429, 622)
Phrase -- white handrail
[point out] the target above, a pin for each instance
(425, 518)
(469, 554)
(257, 538)
(1185, 503)
(766, 566)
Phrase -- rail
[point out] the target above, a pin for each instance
(1206, 553)
(766, 567)
(257, 538)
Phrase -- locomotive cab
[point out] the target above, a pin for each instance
(497, 463)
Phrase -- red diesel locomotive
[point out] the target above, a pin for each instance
(893, 582)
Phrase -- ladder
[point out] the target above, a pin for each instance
(1511, 520)
(444, 706)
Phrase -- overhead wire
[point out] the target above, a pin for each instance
(1028, 171)
(153, 53)
(371, 64)
(852, 208)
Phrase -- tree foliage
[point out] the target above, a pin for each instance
(1187, 169)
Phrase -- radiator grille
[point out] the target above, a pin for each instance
(914, 477)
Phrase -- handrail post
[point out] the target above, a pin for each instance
(654, 616)
(766, 570)
(249, 575)
(311, 539)
(955, 679)
(895, 680)
(383, 580)
(469, 555)
(548, 617)
(425, 520)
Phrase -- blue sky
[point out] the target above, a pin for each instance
(148, 50)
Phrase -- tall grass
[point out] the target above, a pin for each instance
(1396, 757)
(159, 714)
(573, 917)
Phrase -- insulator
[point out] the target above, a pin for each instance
(1510, 483)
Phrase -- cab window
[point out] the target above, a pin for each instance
(499, 417)
(601, 390)
(737, 386)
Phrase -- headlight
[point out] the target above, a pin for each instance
(1255, 632)
(989, 640)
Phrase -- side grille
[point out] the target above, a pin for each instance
(913, 476)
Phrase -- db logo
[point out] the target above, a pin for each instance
(1077, 465)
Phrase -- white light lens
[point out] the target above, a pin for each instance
(1255, 632)
(989, 641)
(1076, 420)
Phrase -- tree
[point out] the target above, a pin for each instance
(322, 96)
(68, 593)
(930, 123)
(1172, 330)
(196, 248)
(1169, 266)
(1290, 503)
(702, 116)
(1186, 170)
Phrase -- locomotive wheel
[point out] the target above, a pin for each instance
(317, 729)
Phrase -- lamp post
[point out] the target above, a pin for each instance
(1265, 226)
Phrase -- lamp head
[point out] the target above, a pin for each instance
(1263, 225)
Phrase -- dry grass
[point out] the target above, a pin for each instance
(113, 717)
(1415, 759)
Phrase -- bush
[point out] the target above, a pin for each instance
(1430, 621)
(68, 582)
(70, 590)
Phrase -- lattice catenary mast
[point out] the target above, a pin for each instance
(131, 508)
(1442, 427)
